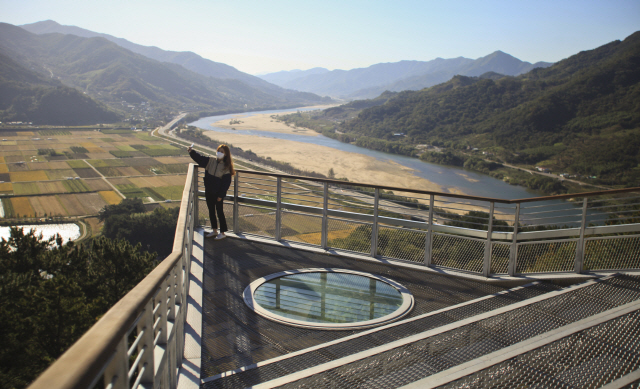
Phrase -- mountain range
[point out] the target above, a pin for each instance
(186, 59)
(581, 115)
(113, 78)
(29, 96)
(363, 83)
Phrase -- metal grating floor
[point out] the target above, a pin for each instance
(234, 336)
(590, 358)
(348, 347)
(586, 355)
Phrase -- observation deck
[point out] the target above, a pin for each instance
(531, 292)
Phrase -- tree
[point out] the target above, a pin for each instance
(154, 231)
(127, 206)
(51, 293)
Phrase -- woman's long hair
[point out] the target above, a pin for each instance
(227, 158)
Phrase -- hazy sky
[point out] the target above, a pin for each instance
(270, 35)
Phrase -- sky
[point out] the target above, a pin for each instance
(259, 36)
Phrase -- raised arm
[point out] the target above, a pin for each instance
(200, 159)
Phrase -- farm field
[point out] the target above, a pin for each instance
(26, 188)
(110, 197)
(71, 204)
(98, 185)
(64, 172)
(51, 187)
(47, 205)
(92, 202)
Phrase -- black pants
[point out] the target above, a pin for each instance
(214, 205)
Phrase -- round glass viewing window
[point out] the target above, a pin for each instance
(328, 299)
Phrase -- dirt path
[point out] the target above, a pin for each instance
(105, 179)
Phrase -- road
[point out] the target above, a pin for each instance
(105, 179)
(542, 173)
(551, 175)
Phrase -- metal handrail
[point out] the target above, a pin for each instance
(478, 228)
(454, 195)
(104, 351)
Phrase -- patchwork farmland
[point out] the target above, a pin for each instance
(76, 172)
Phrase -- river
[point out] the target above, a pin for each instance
(447, 177)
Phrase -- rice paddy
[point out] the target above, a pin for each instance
(110, 196)
(61, 174)
(38, 175)
(75, 186)
(65, 175)
(77, 164)
(6, 188)
(170, 192)
(22, 207)
(26, 188)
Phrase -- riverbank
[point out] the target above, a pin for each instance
(311, 157)
(261, 122)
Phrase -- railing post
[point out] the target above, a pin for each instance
(162, 314)
(429, 242)
(579, 264)
(278, 207)
(236, 222)
(196, 199)
(171, 309)
(325, 211)
(486, 269)
(374, 226)
(116, 373)
(145, 329)
(513, 252)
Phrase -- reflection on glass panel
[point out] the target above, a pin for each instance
(327, 297)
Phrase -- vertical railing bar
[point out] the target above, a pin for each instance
(513, 253)
(486, 269)
(429, 238)
(325, 209)
(278, 207)
(115, 374)
(196, 201)
(162, 312)
(236, 222)
(146, 325)
(579, 262)
(172, 293)
(374, 226)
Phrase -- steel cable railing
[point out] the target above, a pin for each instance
(485, 236)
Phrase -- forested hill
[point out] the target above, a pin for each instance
(28, 96)
(581, 114)
(186, 59)
(115, 76)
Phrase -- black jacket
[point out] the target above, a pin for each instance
(212, 184)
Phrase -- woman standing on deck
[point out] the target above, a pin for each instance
(217, 179)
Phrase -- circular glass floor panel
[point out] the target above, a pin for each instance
(328, 298)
